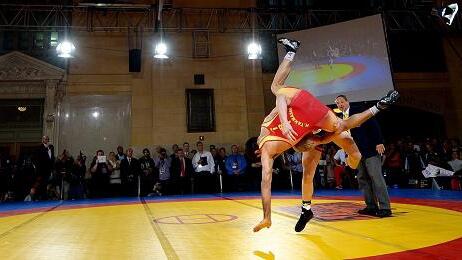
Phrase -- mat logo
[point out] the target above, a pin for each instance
(335, 211)
(195, 219)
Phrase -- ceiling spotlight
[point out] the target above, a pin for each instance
(22, 109)
(160, 51)
(95, 114)
(449, 13)
(254, 51)
(65, 49)
(446, 13)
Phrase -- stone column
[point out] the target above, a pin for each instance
(50, 114)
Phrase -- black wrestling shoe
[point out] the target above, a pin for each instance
(383, 213)
(388, 100)
(290, 45)
(368, 211)
(303, 220)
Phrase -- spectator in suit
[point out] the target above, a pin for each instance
(369, 140)
(129, 172)
(45, 164)
(187, 153)
(182, 171)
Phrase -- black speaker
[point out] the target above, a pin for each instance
(134, 61)
(199, 79)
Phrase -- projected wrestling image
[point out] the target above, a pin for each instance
(346, 58)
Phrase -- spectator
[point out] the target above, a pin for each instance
(294, 160)
(182, 170)
(235, 167)
(149, 173)
(129, 173)
(28, 175)
(120, 153)
(456, 166)
(186, 151)
(76, 181)
(115, 182)
(100, 171)
(431, 156)
(204, 167)
(254, 163)
(63, 174)
(413, 163)
(393, 166)
(220, 160)
(330, 166)
(45, 164)
(455, 163)
(174, 154)
(163, 163)
(340, 168)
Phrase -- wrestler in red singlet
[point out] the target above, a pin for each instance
(304, 113)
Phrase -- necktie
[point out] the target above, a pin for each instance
(346, 116)
(182, 174)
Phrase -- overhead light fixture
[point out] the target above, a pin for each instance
(254, 51)
(22, 109)
(160, 51)
(65, 49)
(446, 13)
(95, 114)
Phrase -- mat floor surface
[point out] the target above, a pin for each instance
(425, 225)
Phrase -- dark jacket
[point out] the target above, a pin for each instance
(129, 172)
(368, 135)
(45, 164)
(176, 168)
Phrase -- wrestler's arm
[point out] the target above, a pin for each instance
(281, 104)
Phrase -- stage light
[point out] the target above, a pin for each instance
(449, 12)
(254, 51)
(22, 109)
(446, 13)
(95, 114)
(160, 51)
(65, 49)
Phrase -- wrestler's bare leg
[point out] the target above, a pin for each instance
(281, 75)
(346, 142)
(269, 151)
(284, 68)
(310, 161)
(332, 123)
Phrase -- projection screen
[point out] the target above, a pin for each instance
(348, 58)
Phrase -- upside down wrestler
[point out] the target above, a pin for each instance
(291, 123)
